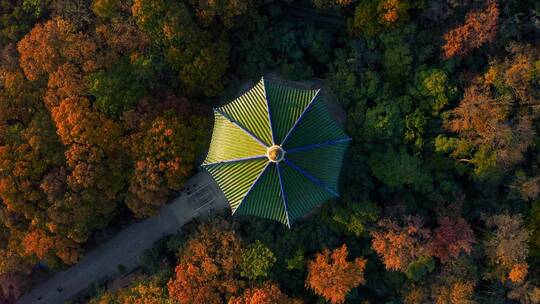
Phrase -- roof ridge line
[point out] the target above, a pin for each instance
(317, 145)
(251, 187)
(311, 177)
(283, 195)
(268, 110)
(235, 160)
(312, 101)
(243, 128)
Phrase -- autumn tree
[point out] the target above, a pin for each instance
(76, 12)
(106, 8)
(457, 293)
(495, 117)
(391, 11)
(489, 138)
(507, 248)
(397, 245)
(373, 16)
(516, 76)
(164, 147)
(29, 146)
(365, 21)
(119, 38)
(53, 43)
(146, 290)
(30, 151)
(95, 164)
(207, 271)
(38, 242)
(479, 27)
(528, 188)
(455, 282)
(518, 273)
(95, 168)
(331, 276)
(268, 293)
(226, 11)
(452, 237)
(415, 295)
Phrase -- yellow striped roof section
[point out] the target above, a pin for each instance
(268, 114)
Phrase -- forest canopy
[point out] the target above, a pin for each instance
(105, 113)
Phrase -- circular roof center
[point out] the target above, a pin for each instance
(275, 153)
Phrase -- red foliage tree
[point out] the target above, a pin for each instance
(398, 245)
(331, 276)
(479, 27)
(452, 237)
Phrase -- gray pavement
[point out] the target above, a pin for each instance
(126, 248)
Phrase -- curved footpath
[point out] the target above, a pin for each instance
(126, 247)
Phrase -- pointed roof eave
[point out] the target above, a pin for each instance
(251, 187)
(300, 117)
(284, 196)
(323, 144)
(269, 112)
(234, 160)
(312, 178)
(233, 121)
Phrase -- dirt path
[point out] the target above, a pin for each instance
(127, 246)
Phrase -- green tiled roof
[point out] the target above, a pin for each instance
(272, 114)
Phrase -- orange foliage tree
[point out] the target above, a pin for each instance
(147, 291)
(208, 266)
(164, 147)
(392, 11)
(29, 152)
(52, 43)
(452, 237)
(458, 292)
(479, 27)
(398, 245)
(331, 276)
(94, 162)
(267, 294)
(484, 125)
(518, 273)
(38, 242)
(95, 166)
